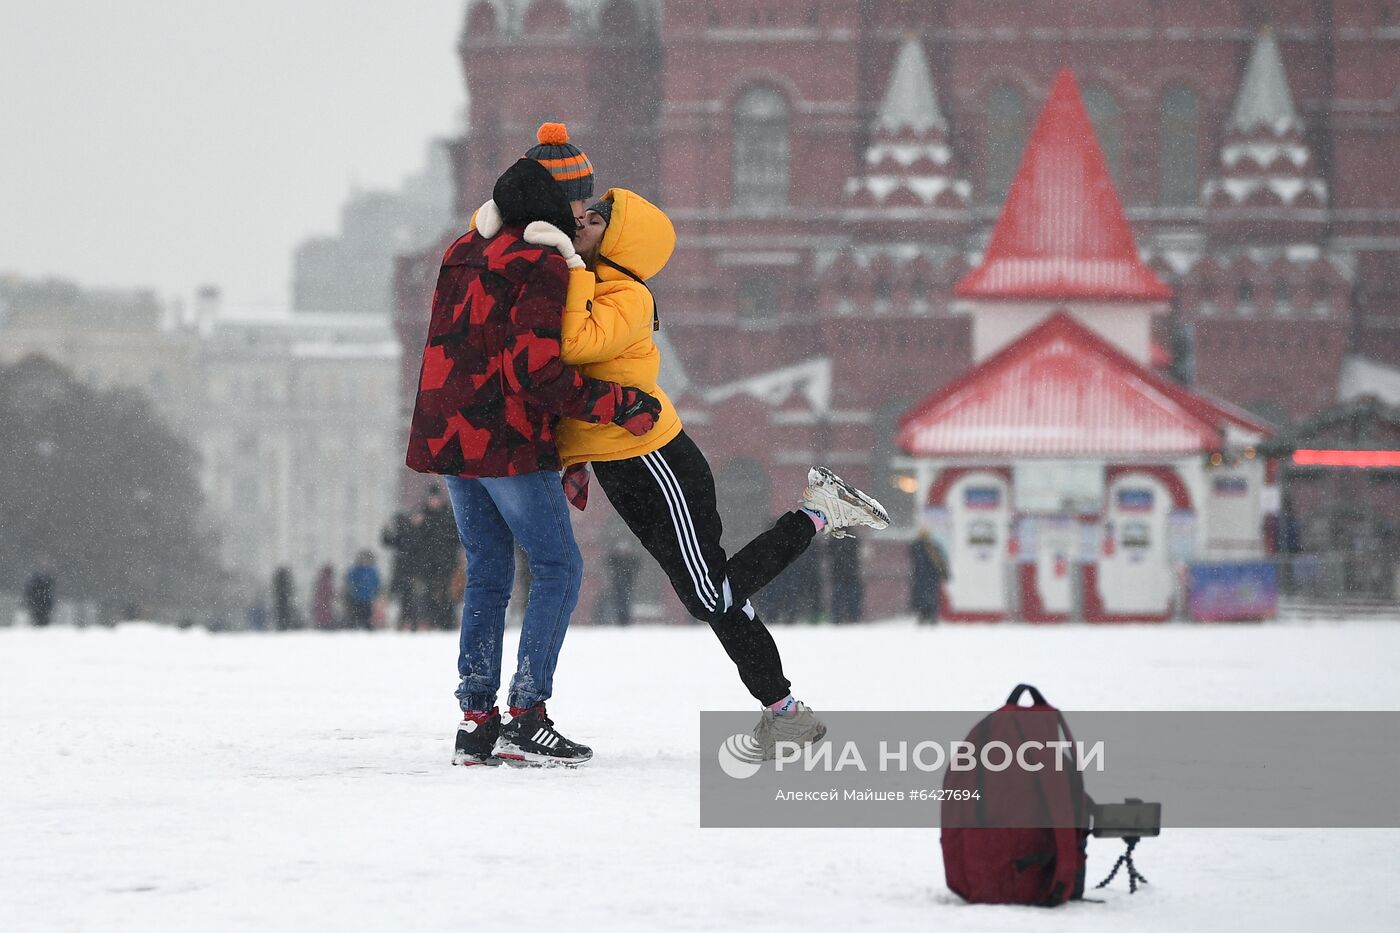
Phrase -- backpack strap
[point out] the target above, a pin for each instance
(1068, 855)
(1015, 698)
(1069, 840)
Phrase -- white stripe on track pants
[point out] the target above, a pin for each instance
(667, 499)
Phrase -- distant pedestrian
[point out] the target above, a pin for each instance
(778, 600)
(624, 560)
(361, 588)
(323, 599)
(413, 598)
(928, 570)
(397, 537)
(39, 596)
(847, 584)
(284, 609)
(809, 602)
(437, 554)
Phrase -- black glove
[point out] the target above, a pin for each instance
(636, 411)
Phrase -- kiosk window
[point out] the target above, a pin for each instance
(982, 533)
(982, 497)
(1136, 535)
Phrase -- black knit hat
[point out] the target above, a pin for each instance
(527, 192)
(565, 161)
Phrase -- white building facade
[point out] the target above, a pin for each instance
(294, 414)
(299, 433)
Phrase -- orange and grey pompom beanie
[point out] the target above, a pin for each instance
(565, 161)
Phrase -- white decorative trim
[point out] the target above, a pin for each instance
(769, 258)
(907, 154)
(1265, 153)
(812, 379)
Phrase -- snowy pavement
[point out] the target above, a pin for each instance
(153, 779)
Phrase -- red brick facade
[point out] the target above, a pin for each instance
(1271, 287)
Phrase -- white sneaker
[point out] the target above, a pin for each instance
(843, 505)
(801, 728)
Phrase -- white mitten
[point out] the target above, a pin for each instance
(488, 219)
(541, 233)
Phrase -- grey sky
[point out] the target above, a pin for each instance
(169, 143)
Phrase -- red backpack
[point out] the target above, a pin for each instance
(992, 852)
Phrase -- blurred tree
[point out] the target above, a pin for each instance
(95, 483)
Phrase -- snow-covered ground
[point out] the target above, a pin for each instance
(154, 779)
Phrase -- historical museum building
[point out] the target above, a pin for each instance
(836, 169)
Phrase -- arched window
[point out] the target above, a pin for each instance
(1180, 147)
(758, 299)
(1108, 126)
(1006, 137)
(919, 291)
(761, 151)
(1321, 291)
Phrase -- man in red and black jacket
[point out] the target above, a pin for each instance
(493, 387)
(491, 391)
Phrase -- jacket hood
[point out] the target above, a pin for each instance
(526, 192)
(639, 237)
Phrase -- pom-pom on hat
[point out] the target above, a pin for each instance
(565, 161)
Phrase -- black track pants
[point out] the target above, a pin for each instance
(667, 498)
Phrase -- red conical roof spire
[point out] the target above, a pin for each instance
(1062, 233)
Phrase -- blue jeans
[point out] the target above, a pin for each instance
(492, 515)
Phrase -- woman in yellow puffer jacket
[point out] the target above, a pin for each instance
(609, 317)
(660, 483)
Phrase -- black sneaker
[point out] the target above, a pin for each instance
(531, 739)
(476, 741)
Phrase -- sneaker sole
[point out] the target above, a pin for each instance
(470, 762)
(519, 758)
(812, 741)
(855, 497)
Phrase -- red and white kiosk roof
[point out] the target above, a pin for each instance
(1061, 390)
(1062, 233)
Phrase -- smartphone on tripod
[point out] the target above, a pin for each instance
(1132, 817)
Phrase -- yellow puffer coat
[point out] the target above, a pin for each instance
(607, 328)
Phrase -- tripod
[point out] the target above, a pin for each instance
(1134, 876)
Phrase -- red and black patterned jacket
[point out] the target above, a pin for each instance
(492, 385)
